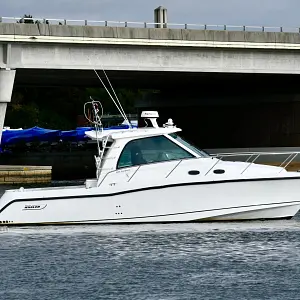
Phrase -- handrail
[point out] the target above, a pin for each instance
(212, 166)
(134, 173)
(174, 168)
(224, 27)
(289, 162)
(283, 165)
(250, 164)
(252, 153)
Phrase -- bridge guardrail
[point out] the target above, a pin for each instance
(251, 28)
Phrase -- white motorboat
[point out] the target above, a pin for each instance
(151, 174)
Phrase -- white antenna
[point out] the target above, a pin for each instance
(120, 109)
(129, 124)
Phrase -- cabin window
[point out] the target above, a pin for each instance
(187, 144)
(151, 150)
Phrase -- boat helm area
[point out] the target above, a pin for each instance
(140, 146)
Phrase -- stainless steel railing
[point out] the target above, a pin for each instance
(250, 28)
(252, 157)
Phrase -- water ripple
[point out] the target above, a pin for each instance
(251, 260)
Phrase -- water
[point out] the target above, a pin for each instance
(248, 260)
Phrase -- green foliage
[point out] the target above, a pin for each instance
(127, 98)
(59, 108)
(23, 116)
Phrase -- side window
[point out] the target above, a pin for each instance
(150, 150)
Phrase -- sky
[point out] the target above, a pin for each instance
(231, 12)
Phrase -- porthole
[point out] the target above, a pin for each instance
(194, 172)
(219, 171)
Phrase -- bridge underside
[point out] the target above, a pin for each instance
(216, 110)
(224, 83)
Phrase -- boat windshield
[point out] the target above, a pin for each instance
(202, 153)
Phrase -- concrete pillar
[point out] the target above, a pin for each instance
(160, 16)
(7, 78)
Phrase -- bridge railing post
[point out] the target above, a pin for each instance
(160, 21)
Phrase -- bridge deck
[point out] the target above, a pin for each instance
(76, 31)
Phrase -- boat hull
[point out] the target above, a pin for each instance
(210, 201)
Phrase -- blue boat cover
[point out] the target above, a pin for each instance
(37, 134)
(10, 137)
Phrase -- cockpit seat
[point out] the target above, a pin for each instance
(137, 156)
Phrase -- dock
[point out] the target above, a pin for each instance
(12, 174)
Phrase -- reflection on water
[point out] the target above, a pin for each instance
(246, 260)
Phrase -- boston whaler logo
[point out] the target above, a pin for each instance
(34, 206)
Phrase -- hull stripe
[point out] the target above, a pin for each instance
(290, 203)
(141, 189)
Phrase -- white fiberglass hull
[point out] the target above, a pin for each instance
(210, 201)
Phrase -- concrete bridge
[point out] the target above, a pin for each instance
(42, 46)
(44, 54)
(67, 54)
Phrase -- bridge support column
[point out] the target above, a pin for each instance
(7, 78)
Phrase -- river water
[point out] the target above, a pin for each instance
(246, 260)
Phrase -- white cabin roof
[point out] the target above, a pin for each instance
(115, 134)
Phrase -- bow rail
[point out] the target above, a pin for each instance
(252, 157)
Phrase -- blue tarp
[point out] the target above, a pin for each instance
(37, 134)
(76, 135)
(10, 137)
